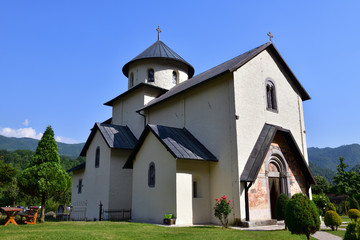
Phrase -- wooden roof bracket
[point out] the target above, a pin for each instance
(247, 187)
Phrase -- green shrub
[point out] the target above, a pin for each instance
(168, 216)
(353, 203)
(332, 219)
(340, 208)
(352, 231)
(322, 202)
(302, 216)
(332, 207)
(280, 207)
(356, 196)
(354, 214)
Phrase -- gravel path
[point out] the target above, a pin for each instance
(325, 236)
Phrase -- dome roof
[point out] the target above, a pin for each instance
(159, 50)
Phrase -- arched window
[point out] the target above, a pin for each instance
(131, 83)
(151, 75)
(174, 77)
(80, 185)
(151, 175)
(271, 103)
(97, 157)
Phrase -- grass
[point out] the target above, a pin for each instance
(127, 230)
(345, 218)
(340, 233)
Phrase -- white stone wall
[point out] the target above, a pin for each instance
(208, 113)
(162, 72)
(124, 110)
(77, 198)
(97, 180)
(184, 199)
(151, 204)
(200, 172)
(120, 180)
(250, 105)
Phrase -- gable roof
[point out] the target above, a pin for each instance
(133, 89)
(230, 66)
(115, 136)
(178, 141)
(159, 50)
(78, 167)
(261, 148)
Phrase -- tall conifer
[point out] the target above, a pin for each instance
(45, 178)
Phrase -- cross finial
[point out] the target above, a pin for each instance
(270, 36)
(159, 31)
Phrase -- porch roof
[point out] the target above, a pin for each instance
(261, 148)
(178, 141)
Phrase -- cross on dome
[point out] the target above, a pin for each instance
(159, 31)
(270, 36)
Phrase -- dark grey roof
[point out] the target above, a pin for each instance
(133, 89)
(159, 50)
(261, 148)
(230, 66)
(78, 167)
(115, 136)
(178, 141)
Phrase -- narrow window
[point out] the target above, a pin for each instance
(80, 185)
(174, 78)
(131, 84)
(151, 75)
(97, 157)
(270, 96)
(195, 190)
(151, 175)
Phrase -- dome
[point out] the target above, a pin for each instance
(159, 50)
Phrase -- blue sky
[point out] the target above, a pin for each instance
(61, 60)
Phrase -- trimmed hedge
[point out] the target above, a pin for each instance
(354, 214)
(302, 216)
(352, 231)
(280, 207)
(332, 219)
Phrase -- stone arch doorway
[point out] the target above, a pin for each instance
(277, 174)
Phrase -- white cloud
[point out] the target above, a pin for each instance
(31, 133)
(26, 122)
(65, 140)
(21, 132)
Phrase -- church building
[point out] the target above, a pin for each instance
(176, 142)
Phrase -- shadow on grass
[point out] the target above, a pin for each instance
(210, 226)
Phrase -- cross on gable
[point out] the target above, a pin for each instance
(159, 31)
(270, 36)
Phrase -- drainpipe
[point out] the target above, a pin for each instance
(143, 116)
(247, 200)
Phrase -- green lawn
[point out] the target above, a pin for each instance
(125, 230)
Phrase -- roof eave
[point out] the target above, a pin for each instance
(133, 89)
(148, 105)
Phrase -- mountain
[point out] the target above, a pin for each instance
(329, 157)
(325, 172)
(11, 144)
(322, 161)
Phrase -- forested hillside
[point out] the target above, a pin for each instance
(20, 159)
(322, 161)
(329, 157)
(11, 144)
